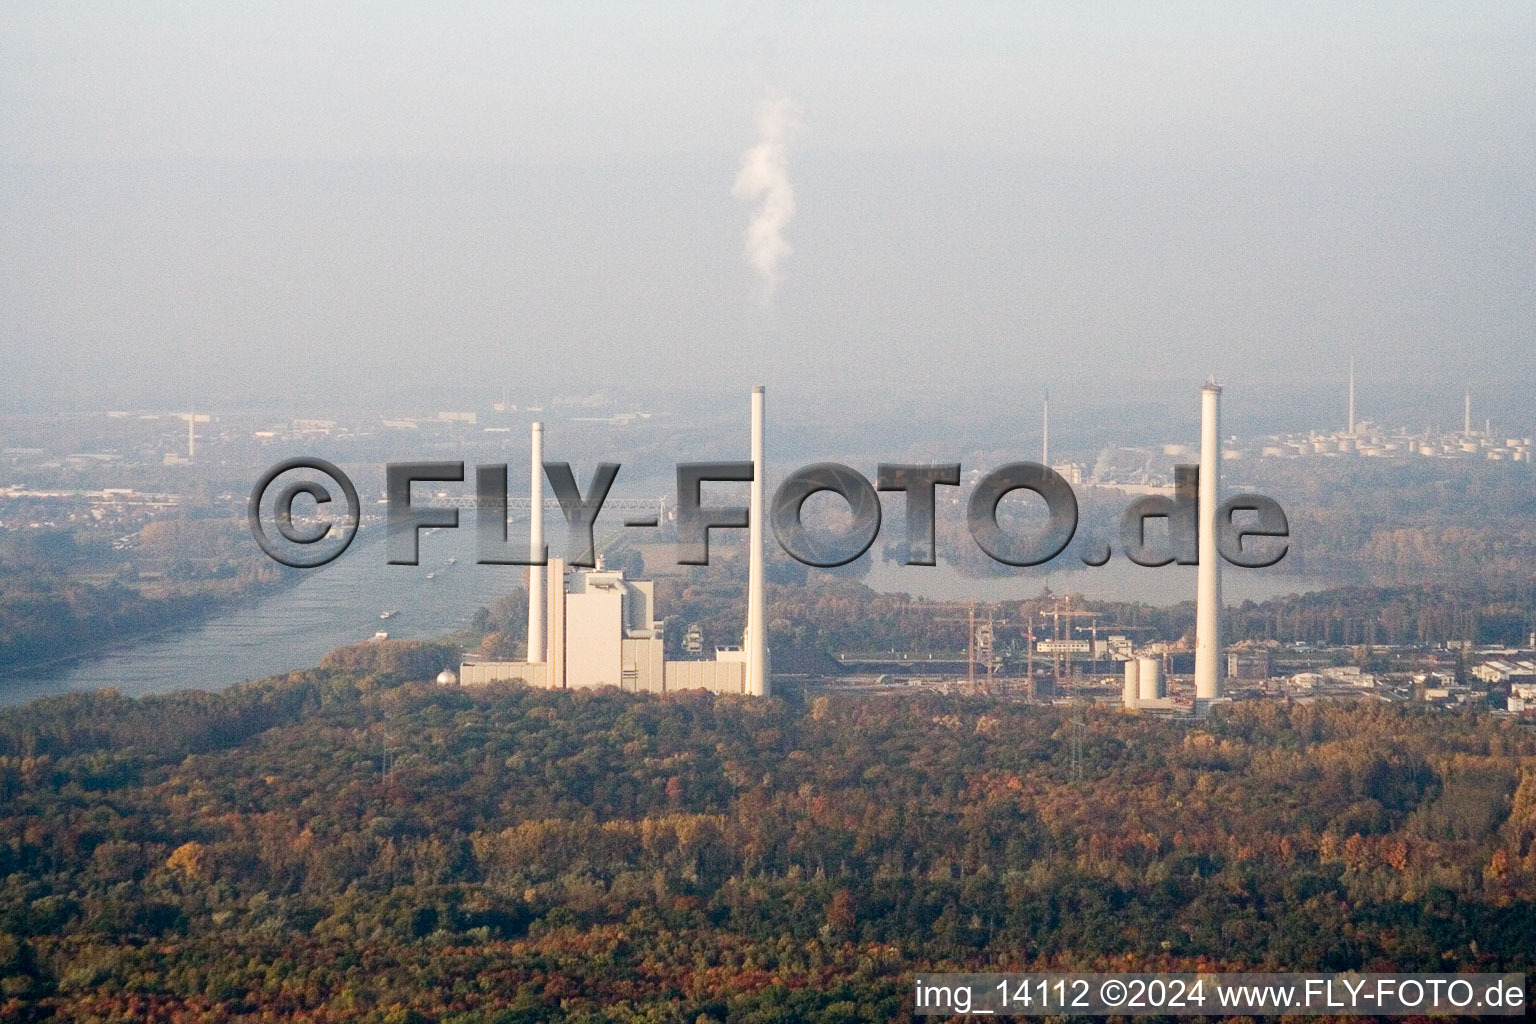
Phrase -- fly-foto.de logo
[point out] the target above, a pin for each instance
(1251, 529)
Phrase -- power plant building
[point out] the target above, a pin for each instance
(604, 632)
(595, 627)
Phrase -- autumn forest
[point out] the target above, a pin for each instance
(336, 846)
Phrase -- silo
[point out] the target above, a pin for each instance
(1132, 688)
(1153, 685)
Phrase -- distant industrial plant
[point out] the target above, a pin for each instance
(595, 627)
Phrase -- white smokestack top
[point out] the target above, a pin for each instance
(764, 178)
(537, 596)
(1466, 415)
(756, 640)
(1208, 588)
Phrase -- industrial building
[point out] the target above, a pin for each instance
(1497, 671)
(603, 631)
(1249, 663)
(595, 627)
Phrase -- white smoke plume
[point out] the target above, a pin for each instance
(764, 178)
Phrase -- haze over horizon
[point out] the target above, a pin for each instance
(277, 206)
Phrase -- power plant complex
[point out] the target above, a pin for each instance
(594, 627)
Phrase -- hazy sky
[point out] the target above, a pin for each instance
(204, 203)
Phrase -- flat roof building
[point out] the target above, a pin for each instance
(603, 631)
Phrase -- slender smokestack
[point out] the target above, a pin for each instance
(1045, 432)
(756, 639)
(537, 597)
(1466, 415)
(1351, 394)
(1208, 589)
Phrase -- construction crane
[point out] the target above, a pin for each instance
(970, 642)
(1062, 609)
(1028, 632)
(981, 642)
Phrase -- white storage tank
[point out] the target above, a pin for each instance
(1132, 688)
(1154, 686)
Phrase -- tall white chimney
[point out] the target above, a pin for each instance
(1045, 431)
(537, 597)
(1351, 395)
(1208, 588)
(1466, 415)
(756, 640)
(192, 435)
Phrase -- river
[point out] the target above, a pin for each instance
(289, 628)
